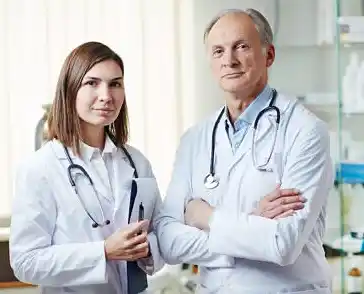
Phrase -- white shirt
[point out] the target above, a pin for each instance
(102, 163)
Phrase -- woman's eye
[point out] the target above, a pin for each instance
(116, 84)
(91, 83)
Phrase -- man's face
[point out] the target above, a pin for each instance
(238, 60)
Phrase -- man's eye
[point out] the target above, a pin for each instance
(217, 52)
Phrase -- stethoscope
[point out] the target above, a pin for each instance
(211, 180)
(73, 167)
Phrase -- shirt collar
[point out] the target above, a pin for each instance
(87, 152)
(251, 112)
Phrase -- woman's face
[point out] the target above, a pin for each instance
(101, 95)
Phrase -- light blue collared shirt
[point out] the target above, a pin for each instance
(236, 132)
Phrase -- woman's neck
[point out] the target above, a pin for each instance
(93, 136)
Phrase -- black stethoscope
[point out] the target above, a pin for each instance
(73, 167)
(211, 181)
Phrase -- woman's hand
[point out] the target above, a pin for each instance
(129, 244)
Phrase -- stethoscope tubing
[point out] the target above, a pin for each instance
(211, 180)
(72, 167)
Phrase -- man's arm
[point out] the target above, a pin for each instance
(309, 169)
(178, 242)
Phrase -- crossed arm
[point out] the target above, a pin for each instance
(282, 238)
(194, 232)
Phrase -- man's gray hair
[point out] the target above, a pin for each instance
(261, 23)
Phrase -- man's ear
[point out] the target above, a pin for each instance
(271, 54)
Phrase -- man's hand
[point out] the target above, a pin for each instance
(198, 213)
(280, 203)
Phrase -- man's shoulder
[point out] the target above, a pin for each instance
(198, 135)
(307, 119)
(201, 129)
(296, 114)
(301, 121)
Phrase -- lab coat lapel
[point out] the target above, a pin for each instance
(123, 174)
(264, 129)
(265, 132)
(223, 149)
(100, 188)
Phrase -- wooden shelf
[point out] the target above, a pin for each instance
(4, 285)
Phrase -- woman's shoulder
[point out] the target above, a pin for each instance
(135, 152)
(37, 162)
(141, 161)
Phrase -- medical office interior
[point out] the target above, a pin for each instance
(319, 57)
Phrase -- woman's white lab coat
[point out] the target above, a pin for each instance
(52, 242)
(243, 253)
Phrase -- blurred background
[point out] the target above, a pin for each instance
(319, 53)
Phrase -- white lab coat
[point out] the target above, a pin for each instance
(243, 253)
(52, 242)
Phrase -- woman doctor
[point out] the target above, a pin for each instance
(85, 202)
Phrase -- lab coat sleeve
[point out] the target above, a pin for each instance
(155, 262)
(33, 258)
(309, 169)
(180, 243)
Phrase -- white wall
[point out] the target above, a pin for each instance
(37, 35)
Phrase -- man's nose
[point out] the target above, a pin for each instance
(230, 59)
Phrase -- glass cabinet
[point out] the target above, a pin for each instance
(339, 100)
(325, 55)
(349, 163)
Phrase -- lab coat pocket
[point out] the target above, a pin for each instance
(145, 200)
(259, 184)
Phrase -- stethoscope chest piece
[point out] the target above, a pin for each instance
(211, 181)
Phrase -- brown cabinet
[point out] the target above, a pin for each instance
(6, 273)
(7, 278)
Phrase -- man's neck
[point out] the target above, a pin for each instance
(238, 102)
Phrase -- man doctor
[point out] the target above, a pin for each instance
(248, 234)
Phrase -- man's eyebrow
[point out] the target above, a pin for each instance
(216, 46)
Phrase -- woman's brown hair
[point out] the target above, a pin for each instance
(63, 120)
